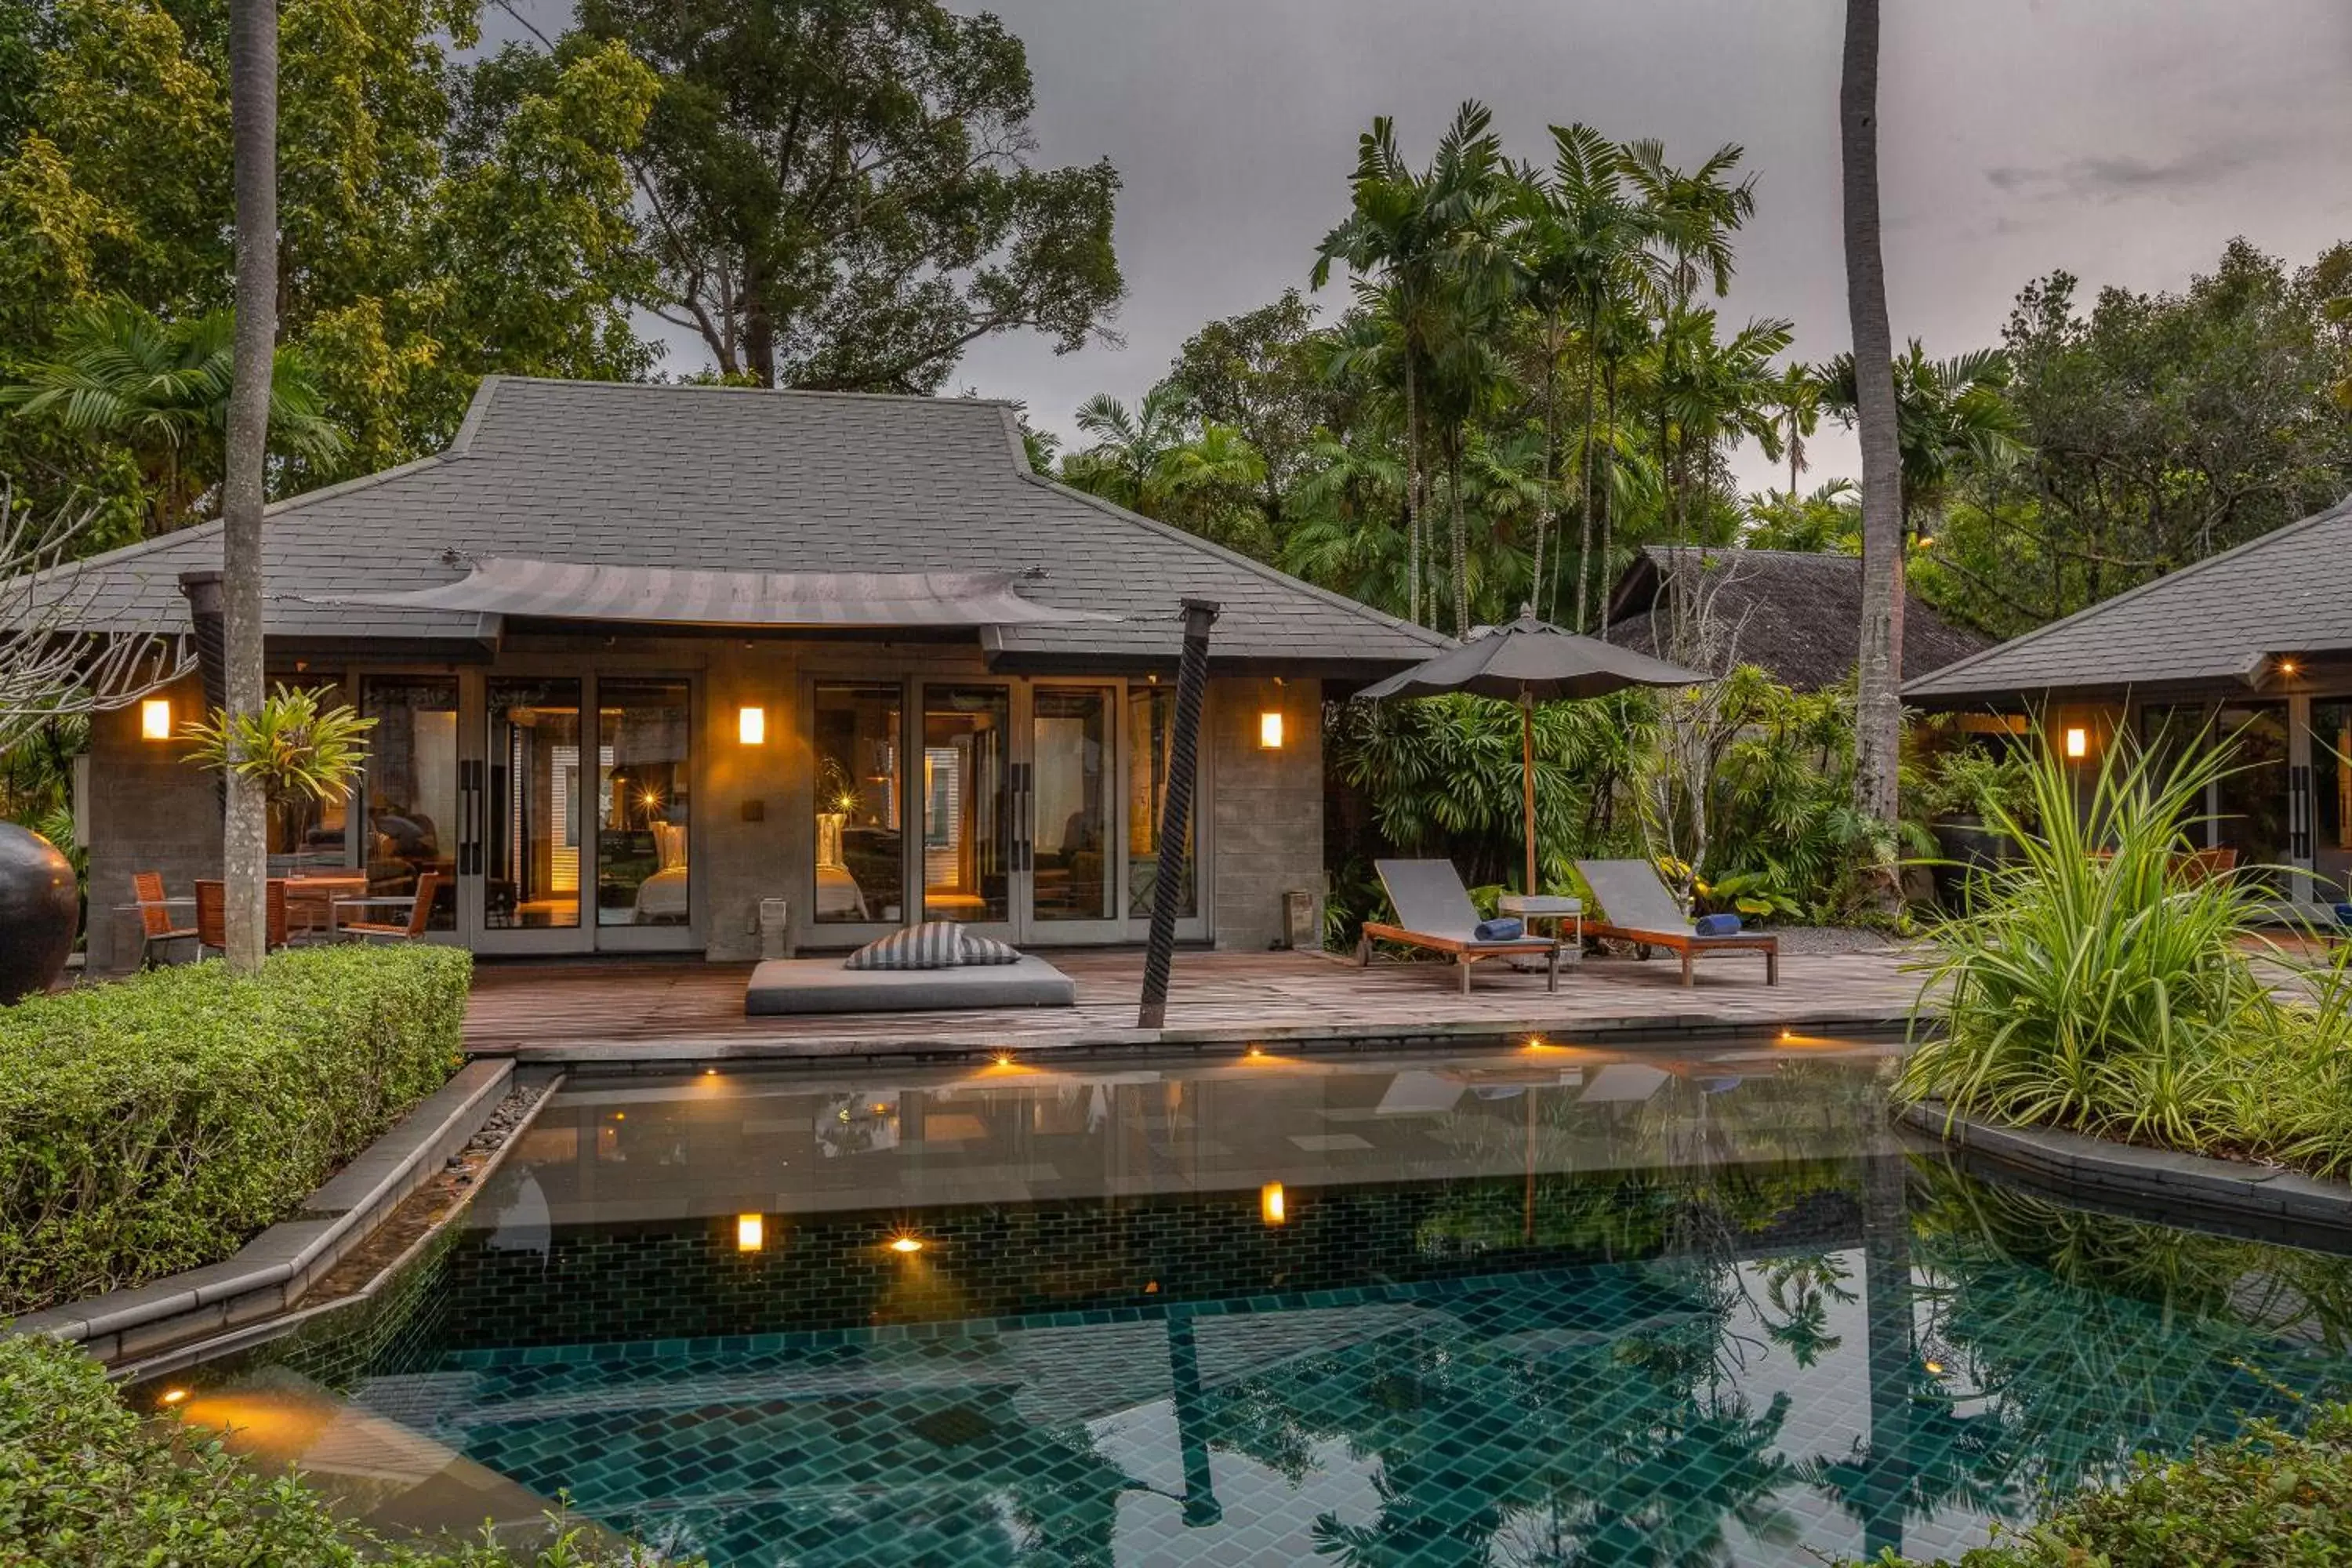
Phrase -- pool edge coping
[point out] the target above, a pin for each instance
(269, 1274)
(2077, 1159)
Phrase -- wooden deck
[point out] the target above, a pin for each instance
(619, 1013)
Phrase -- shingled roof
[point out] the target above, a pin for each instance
(736, 479)
(2220, 620)
(1799, 613)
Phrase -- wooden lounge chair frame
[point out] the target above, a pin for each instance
(1415, 881)
(155, 927)
(419, 907)
(1686, 946)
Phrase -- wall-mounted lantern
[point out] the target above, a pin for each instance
(1269, 729)
(155, 719)
(2078, 743)
(752, 726)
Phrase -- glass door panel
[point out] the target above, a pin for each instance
(410, 825)
(1071, 738)
(966, 809)
(534, 845)
(1151, 727)
(2251, 809)
(2331, 817)
(643, 803)
(860, 842)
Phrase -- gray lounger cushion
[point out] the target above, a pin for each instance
(823, 985)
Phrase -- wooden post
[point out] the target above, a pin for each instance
(1176, 811)
(1528, 781)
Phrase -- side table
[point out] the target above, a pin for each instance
(1532, 908)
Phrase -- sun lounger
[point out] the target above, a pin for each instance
(1434, 912)
(1635, 907)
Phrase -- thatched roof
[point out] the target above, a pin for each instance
(1798, 614)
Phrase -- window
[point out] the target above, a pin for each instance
(644, 805)
(1151, 729)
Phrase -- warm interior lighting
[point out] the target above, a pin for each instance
(2286, 667)
(907, 1246)
(2078, 741)
(1271, 1206)
(1269, 730)
(752, 726)
(155, 719)
(174, 1395)
(750, 1232)
(1003, 1058)
(1935, 1367)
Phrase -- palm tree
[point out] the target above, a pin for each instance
(1206, 485)
(1696, 212)
(1585, 252)
(121, 372)
(253, 139)
(1426, 249)
(1709, 391)
(1879, 717)
(1947, 413)
(1129, 446)
(1345, 533)
(1799, 398)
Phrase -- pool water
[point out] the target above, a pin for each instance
(1535, 1305)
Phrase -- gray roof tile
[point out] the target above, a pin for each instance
(725, 478)
(2288, 592)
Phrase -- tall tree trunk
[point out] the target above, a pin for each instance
(1584, 467)
(759, 327)
(1878, 720)
(1545, 514)
(253, 130)
(1411, 490)
(1607, 511)
(1460, 541)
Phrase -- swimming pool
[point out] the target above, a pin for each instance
(1532, 1304)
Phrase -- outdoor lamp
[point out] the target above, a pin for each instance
(1271, 1206)
(155, 719)
(752, 726)
(750, 1232)
(2078, 741)
(1269, 729)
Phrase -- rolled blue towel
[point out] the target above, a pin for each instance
(1716, 925)
(1505, 930)
(2344, 916)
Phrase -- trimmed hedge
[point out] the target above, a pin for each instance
(156, 1123)
(2270, 1500)
(86, 1483)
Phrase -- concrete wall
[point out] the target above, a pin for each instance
(147, 811)
(1267, 818)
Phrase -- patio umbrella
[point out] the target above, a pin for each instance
(1531, 661)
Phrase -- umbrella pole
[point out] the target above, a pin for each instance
(1527, 780)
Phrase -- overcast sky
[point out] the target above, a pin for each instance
(2122, 140)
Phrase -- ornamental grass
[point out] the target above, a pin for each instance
(2106, 981)
(156, 1123)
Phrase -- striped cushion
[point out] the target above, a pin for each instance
(988, 950)
(934, 944)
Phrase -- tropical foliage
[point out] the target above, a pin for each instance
(447, 212)
(294, 747)
(2106, 981)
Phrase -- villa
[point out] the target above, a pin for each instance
(2255, 643)
(648, 661)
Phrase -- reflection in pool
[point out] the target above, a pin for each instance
(1533, 1306)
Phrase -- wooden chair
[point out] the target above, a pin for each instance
(155, 927)
(212, 915)
(420, 913)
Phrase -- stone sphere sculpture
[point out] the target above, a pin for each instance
(40, 910)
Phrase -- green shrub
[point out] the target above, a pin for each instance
(156, 1123)
(2270, 1500)
(87, 1483)
(2099, 983)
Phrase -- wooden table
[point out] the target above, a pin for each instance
(310, 901)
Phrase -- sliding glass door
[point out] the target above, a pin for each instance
(1027, 809)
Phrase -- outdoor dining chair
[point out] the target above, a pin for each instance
(155, 927)
(212, 915)
(419, 907)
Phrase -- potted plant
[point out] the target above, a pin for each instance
(1966, 792)
(303, 753)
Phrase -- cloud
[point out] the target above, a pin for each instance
(2118, 177)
